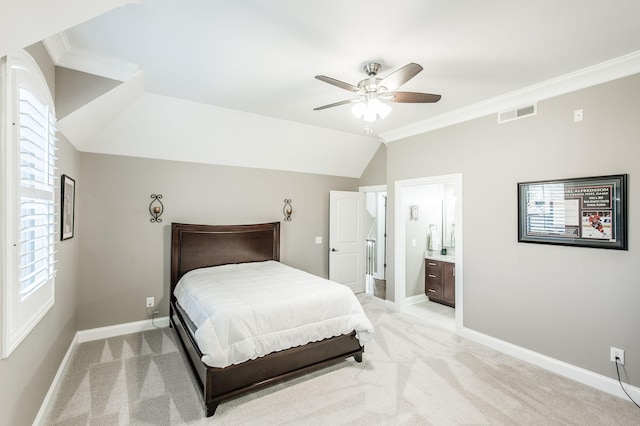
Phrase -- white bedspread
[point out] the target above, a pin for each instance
(245, 311)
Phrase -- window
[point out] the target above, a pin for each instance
(28, 195)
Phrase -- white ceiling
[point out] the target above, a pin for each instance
(261, 56)
(250, 65)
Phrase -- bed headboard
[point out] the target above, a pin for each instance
(199, 246)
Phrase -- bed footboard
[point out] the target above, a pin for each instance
(219, 384)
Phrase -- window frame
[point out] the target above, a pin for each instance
(21, 313)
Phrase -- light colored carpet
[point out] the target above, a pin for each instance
(414, 373)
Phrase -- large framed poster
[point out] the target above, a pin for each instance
(587, 212)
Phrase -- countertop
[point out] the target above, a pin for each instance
(445, 258)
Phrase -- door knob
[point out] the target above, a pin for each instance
(334, 249)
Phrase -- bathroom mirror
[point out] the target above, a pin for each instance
(448, 223)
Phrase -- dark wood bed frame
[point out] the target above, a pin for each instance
(198, 246)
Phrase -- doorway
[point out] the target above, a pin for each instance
(411, 237)
(375, 233)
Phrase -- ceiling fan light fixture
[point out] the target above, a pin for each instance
(369, 116)
(359, 109)
(371, 110)
(375, 92)
(382, 109)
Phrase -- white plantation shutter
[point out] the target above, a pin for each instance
(37, 184)
(28, 198)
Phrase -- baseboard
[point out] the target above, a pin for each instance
(87, 336)
(120, 329)
(55, 384)
(581, 375)
(413, 300)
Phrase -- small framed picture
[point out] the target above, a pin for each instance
(68, 207)
(587, 212)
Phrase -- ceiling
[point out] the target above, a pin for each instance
(232, 82)
(261, 56)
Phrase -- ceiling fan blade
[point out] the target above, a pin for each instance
(412, 97)
(401, 76)
(338, 83)
(348, 101)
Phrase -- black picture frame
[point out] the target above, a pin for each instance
(584, 212)
(67, 207)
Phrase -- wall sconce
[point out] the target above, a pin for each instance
(414, 211)
(287, 210)
(156, 208)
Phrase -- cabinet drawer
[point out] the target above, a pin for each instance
(433, 265)
(433, 288)
(432, 275)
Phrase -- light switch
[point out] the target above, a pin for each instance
(318, 240)
(578, 115)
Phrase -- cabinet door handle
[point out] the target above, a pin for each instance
(431, 264)
(432, 276)
(430, 290)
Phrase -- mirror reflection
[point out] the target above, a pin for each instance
(449, 223)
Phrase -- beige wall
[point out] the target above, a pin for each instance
(39, 53)
(376, 171)
(569, 303)
(76, 88)
(26, 375)
(125, 258)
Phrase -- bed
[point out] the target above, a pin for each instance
(197, 247)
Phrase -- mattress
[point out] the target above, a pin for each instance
(245, 311)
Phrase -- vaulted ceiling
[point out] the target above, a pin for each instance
(232, 82)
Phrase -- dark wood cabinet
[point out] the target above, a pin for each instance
(440, 282)
(449, 283)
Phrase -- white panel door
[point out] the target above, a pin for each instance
(346, 239)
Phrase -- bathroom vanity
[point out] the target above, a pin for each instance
(439, 279)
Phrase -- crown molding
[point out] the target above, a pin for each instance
(57, 45)
(64, 55)
(601, 73)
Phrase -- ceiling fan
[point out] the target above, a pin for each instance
(373, 90)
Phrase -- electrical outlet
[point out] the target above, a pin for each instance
(578, 115)
(151, 302)
(615, 352)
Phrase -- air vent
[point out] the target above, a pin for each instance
(525, 111)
